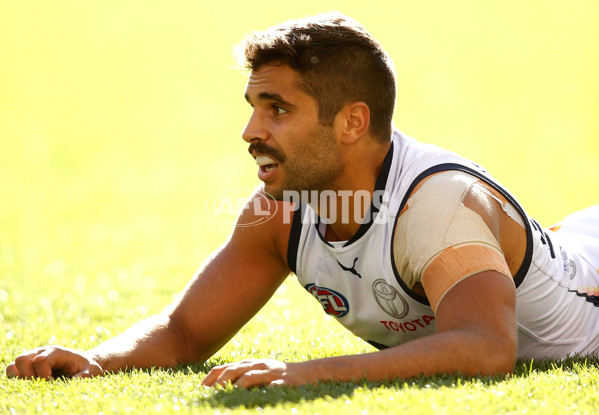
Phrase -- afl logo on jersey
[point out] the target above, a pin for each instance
(389, 299)
(332, 302)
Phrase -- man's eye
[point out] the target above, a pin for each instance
(278, 110)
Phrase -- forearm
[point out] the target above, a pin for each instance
(468, 352)
(477, 335)
(152, 342)
(445, 352)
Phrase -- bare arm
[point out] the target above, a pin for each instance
(227, 291)
(475, 317)
(476, 335)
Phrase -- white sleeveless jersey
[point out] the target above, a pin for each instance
(357, 282)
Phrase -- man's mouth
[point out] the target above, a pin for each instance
(266, 163)
(268, 168)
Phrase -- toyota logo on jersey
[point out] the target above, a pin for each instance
(331, 301)
(389, 299)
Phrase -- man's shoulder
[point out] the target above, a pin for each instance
(450, 212)
(434, 191)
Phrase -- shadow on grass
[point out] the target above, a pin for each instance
(261, 397)
(570, 364)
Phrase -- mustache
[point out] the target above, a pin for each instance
(262, 148)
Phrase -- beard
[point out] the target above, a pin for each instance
(312, 166)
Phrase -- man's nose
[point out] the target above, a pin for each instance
(254, 130)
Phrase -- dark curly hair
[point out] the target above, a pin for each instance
(338, 62)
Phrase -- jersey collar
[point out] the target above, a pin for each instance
(380, 184)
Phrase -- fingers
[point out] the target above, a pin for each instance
(11, 370)
(213, 375)
(220, 375)
(238, 374)
(246, 374)
(41, 363)
(256, 378)
(93, 369)
(86, 373)
(23, 365)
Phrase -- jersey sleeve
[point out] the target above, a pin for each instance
(439, 241)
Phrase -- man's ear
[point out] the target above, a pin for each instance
(352, 122)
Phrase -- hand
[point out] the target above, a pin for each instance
(46, 362)
(248, 373)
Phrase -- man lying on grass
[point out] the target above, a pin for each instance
(413, 248)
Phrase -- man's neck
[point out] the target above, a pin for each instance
(346, 205)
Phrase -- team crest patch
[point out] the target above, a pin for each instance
(332, 302)
(389, 299)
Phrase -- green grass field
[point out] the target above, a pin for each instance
(119, 120)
